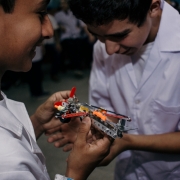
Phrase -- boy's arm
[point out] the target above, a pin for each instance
(160, 143)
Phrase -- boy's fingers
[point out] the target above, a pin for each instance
(83, 130)
(107, 142)
(68, 147)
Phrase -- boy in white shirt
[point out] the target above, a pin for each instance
(24, 24)
(136, 70)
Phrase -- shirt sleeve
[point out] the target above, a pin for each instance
(20, 175)
(60, 177)
(98, 86)
(53, 22)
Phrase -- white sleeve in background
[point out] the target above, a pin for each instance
(53, 22)
(60, 177)
(55, 27)
(39, 54)
(82, 24)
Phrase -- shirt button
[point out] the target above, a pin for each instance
(137, 101)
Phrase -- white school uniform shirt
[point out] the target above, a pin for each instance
(20, 156)
(153, 104)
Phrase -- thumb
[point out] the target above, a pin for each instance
(83, 130)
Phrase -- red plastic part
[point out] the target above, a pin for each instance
(59, 103)
(73, 90)
(72, 93)
(74, 115)
(115, 116)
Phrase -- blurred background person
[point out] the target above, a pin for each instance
(53, 47)
(73, 39)
(174, 3)
(34, 77)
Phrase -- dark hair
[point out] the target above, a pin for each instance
(8, 5)
(99, 12)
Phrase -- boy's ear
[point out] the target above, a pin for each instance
(155, 7)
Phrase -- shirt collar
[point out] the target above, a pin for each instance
(169, 30)
(162, 4)
(6, 121)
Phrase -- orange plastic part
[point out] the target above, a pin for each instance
(100, 115)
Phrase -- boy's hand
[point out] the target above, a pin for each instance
(118, 146)
(85, 156)
(44, 117)
(66, 134)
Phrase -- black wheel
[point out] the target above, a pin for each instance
(64, 120)
(119, 133)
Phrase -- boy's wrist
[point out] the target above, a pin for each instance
(76, 175)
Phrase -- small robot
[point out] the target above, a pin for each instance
(71, 107)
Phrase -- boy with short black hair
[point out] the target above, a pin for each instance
(24, 24)
(136, 72)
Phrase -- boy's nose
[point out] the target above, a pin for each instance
(47, 30)
(111, 47)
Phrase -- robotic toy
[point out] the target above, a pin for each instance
(71, 107)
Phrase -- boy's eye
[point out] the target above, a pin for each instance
(117, 38)
(43, 14)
